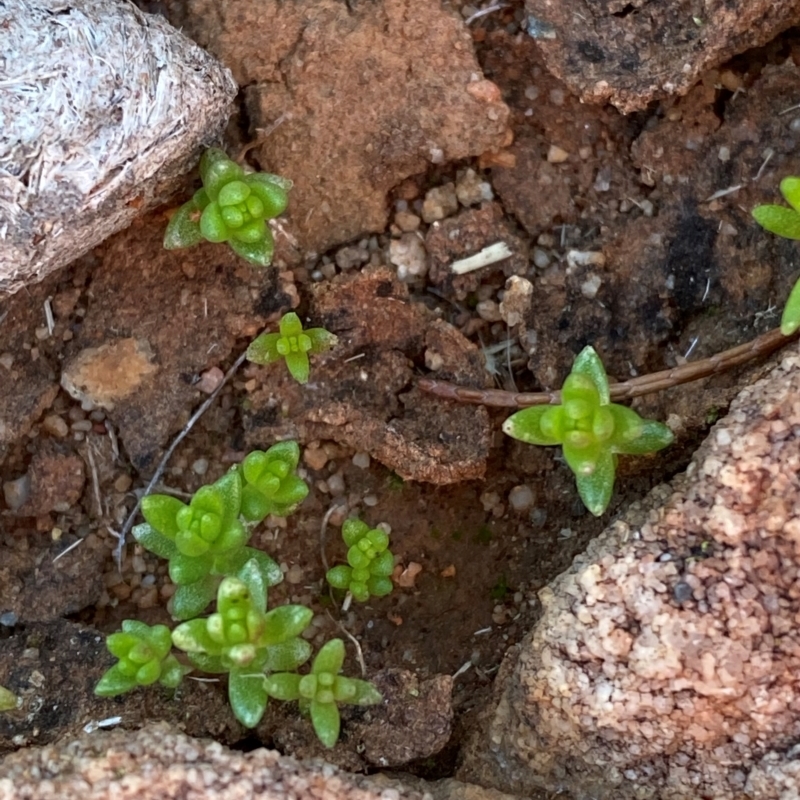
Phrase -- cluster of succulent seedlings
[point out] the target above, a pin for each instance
(205, 541)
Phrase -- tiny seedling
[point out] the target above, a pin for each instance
(323, 690)
(245, 640)
(207, 538)
(369, 562)
(590, 429)
(233, 206)
(785, 222)
(145, 657)
(292, 343)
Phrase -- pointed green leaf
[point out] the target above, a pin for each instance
(183, 228)
(212, 225)
(255, 505)
(8, 700)
(149, 538)
(248, 696)
(383, 565)
(583, 460)
(379, 586)
(120, 644)
(257, 253)
(790, 189)
(326, 721)
(207, 663)
(292, 492)
(189, 569)
(330, 657)
(321, 340)
(653, 436)
(526, 426)
(271, 190)
(283, 686)
(353, 530)
(298, 365)
(287, 451)
(285, 622)
(160, 639)
(233, 193)
(588, 363)
(193, 637)
(779, 220)
(161, 510)
(595, 488)
(216, 170)
(339, 576)
(114, 682)
(173, 672)
(251, 576)
(286, 656)
(191, 599)
(365, 693)
(264, 349)
(790, 321)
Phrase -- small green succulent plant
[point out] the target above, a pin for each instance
(246, 641)
(207, 538)
(590, 429)
(233, 206)
(292, 343)
(270, 484)
(369, 562)
(323, 690)
(785, 222)
(145, 657)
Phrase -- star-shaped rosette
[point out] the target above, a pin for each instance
(590, 429)
(233, 206)
(292, 343)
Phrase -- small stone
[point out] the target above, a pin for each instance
(591, 286)
(200, 466)
(408, 576)
(336, 484)
(370, 500)
(471, 189)
(210, 380)
(6, 360)
(315, 457)
(17, 492)
(488, 310)
(433, 360)
(521, 498)
(516, 301)
(123, 483)
(408, 254)
(556, 154)
(449, 571)
(407, 222)
(349, 257)
(440, 202)
(295, 574)
(55, 426)
(540, 258)
(361, 460)
(489, 500)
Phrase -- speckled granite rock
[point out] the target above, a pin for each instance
(158, 763)
(666, 663)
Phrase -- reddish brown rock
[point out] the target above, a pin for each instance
(57, 477)
(371, 93)
(361, 394)
(630, 53)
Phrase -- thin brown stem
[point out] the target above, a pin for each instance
(645, 384)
